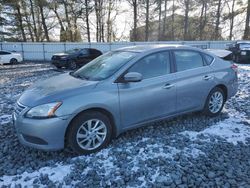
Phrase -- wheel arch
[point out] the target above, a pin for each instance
(95, 109)
(224, 89)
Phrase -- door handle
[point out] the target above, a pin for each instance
(168, 86)
(207, 77)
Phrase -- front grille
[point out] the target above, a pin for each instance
(19, 108)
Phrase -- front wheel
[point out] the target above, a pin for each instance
(215, 102)
(89, 132)
(72, 65)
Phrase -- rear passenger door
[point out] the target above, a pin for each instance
(194, 81)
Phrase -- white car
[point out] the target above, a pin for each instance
(7, 57)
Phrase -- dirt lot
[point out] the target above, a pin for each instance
(191, 150)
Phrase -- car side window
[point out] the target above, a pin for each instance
(4, 53)
(209, 59)
(83, 52)
(153, 65)
(187, 60)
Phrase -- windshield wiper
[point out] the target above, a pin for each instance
(78, 76)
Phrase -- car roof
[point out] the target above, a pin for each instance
(5, 51)
(243, 42)
(147, 48)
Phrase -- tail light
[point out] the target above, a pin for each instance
(234, 67)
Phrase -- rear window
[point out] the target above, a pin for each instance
(209, 59)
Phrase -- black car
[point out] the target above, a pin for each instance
(241, 51)
(75, 58)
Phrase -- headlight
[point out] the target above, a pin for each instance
(44, 110)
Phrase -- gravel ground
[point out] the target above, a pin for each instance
(188, 151)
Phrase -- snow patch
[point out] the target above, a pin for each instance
(232, 130)
(4, 119)
(55, 174)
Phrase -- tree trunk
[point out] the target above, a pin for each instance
(232, 21)
(59, 20)
(109, 22)
(172, 25)
(135, 19)
(24, 5)
(69, 29)
(164, 19)
(186, 19)
(147, 21)
(159, 21)
(34, 20)
(97, 13)
(217, 23)
(46, 33)
(247, 29)
(20, 21)
(87, 19)
(201, 20)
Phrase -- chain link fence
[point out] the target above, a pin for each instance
(44, 51)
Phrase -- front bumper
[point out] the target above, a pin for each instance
(45, 134)
(59, 63)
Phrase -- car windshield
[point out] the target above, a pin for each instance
(72, 51)
(104, 66)
(244, 45)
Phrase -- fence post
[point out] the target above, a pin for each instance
(64, 46)
(208, 44)
(22, 50)
(43, 52)
(109, 46)
(1, 46)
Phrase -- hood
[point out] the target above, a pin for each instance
(54, 89)
(61, 54)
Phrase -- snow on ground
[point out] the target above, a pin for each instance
(55, 174)
(190, 150)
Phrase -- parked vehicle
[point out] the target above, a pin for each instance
(224, 54)
(7, 57)
(75, 58)
(241, 51)
(122, 90)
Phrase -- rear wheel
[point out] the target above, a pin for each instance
(89, 132)
(215, 102)
(13, 61)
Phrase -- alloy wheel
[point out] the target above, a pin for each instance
(91, 134)
(216, 102)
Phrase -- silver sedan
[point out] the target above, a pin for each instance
(122, 90)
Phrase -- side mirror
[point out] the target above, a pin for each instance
(132, 77)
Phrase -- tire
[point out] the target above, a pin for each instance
(211, 108)
(81, 137)
(72, 65)
(13, 61)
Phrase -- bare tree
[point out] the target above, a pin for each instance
(165, 18)
(246, 35)
(203, 18)
(87, 12)
(218, 17)
(34, 20)
(41, 4)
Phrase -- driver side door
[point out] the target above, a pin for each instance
(154, 96)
